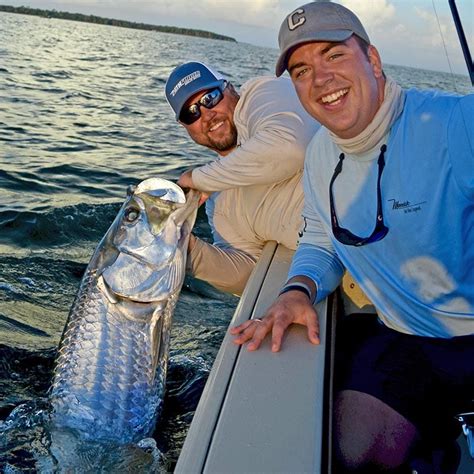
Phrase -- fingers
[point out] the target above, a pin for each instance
(278, 331)
(262, 329)
(291, 307)
(241, 327)
(253, 330)
(186, 180)
(204, 197)
(312, 324)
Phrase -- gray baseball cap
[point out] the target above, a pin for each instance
(189, 79)
(316, 21)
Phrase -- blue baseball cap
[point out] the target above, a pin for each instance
(187, 80)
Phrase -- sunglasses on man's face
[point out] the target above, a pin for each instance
(209, 100)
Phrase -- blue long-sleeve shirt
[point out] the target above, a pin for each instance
(420, 277)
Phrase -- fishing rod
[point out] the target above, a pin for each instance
(462, 39)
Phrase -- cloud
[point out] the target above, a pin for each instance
(436, 29)
(374, 14)
(411, 35)
(246, 12)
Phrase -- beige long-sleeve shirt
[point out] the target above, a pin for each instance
(257, 188)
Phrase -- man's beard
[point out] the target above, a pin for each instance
(225, 144)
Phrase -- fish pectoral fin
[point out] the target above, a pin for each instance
(105, 289)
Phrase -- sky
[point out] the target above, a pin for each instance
(417, 33)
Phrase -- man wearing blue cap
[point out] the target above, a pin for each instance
(389, 193)
(260, 136)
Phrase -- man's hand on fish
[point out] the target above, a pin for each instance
(290, 307)
(204, 197)
(186, 181)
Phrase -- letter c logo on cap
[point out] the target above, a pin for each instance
(294, 20)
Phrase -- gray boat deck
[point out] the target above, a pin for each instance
(264, 412)
(257, 412)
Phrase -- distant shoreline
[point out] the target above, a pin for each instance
(113, 22)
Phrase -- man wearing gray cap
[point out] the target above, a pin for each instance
(389, 192)
(260, 136)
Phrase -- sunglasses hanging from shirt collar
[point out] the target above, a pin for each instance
(345, 236)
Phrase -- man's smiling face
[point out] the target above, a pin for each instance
(215, 129)
(338, 84)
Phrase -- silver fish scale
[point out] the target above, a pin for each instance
(110, 371)
(110, 380)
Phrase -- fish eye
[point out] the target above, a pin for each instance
(132, 214)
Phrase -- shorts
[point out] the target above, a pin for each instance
(427, 380)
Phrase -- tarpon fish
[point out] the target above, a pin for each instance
(111, 366)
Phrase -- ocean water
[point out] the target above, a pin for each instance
(82, 116)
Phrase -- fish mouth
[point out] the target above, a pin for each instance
(334, 98)
(161, 188)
